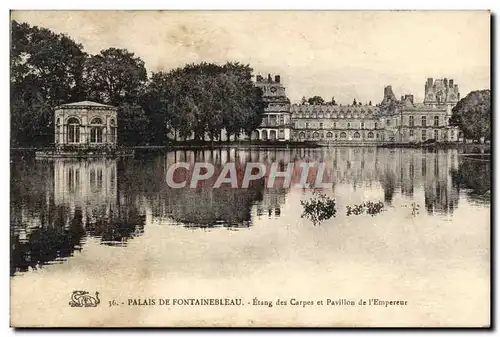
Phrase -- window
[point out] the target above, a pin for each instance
(412, 121)
(424, 135)
(316, 135)
(357, 135)
(343, 135)
(376, 125)
(321, 125)
(388, 122)
(96, 130)
(348, 125)
(436, 134)
(424, 121)
(112, 125)
(329, 135)
(334, 125)
(412, 133)
(370, 134)
(436, 120)
(73, 130)
(362, 125)
(307, 125)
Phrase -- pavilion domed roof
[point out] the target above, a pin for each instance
(85, 104)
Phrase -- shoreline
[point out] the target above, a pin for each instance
(484, 149)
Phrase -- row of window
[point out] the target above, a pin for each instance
(73, 134)
(95, 121)
(342, 135)
(423, 121)
(371, 135)
(424, 134)
(411, 122)
(362, 126)
(329, 116)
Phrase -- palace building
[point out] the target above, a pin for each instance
(391, 121)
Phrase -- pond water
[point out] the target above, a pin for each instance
(117, 227)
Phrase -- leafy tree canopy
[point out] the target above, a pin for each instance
(472, 115)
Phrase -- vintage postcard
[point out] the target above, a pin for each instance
(250, 169)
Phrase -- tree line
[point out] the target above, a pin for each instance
(50, 69)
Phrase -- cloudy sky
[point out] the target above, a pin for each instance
(344, 54)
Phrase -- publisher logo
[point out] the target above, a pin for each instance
(81, 298)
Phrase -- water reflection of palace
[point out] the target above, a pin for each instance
(206, 206)
(396, 170)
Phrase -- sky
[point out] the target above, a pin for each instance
(345, 54)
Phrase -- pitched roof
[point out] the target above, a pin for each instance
(87, 103)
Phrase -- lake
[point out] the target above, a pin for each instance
(117, 227)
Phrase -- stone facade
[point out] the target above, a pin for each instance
(85, 125)
(391, 121)
(276, 122)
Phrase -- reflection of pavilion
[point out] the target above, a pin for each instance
(90, 185)
(79, 199)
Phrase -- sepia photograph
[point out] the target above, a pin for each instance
(257, 169)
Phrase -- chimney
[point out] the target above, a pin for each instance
(402, 98)
(429, 82)
(277, 78)
(451, 83)
(269, 79)
(410, 98)
(445, 82)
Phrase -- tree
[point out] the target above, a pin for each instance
(354, 103)
(472, 115)
(203, 99)
(316, 100)
(117, 77)
(46, 71)
(114, 76)
(132, 124)
(154, 101)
